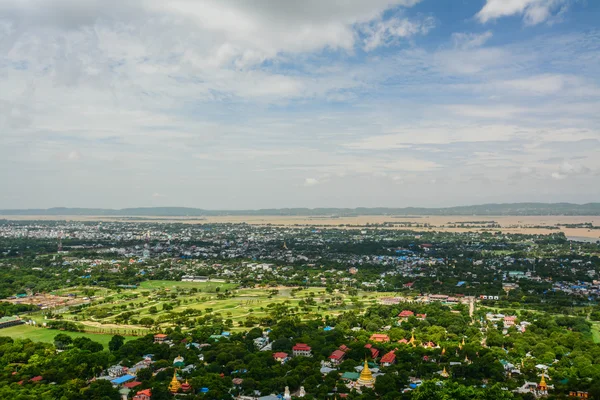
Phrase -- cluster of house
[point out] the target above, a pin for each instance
(124, 378)
(508, 321)
(428, 298)
(298, 350)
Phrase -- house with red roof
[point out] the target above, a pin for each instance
(160, 338)
(380, 338)
(280, 356)
(337, 356)
(406, 314)
(509, 321)
(373, 350)
(388, 359)
(131, 385)
(344, 348)
(421, 316)
(145, 394)
(36, 379)
(301, 349)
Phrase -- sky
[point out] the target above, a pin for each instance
(236, 104)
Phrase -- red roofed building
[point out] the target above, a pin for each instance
(509, 321)
(406, 314)
(337, 356)
(301, 349)
(344, 348)
(388, 359)
(280, 356)
(36, 379)
(409, 284)
(379, 337)
(145, 394)
(373, 350)
(160, 337)
(131, 385)
(421, 316)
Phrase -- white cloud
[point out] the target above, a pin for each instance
(311, 182)
(470, 40)
(558, 176)
(74, 155)
(533, 11)
(387, 32)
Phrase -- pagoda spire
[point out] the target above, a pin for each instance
(366, 377)
(174, 385)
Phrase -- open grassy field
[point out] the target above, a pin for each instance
(160, 299)
(203, 286)
(596, 332)
(47, 335)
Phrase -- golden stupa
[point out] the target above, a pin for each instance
(445, 373)
(174, 386)
(366, 377)
(543, 386)
(412, 340)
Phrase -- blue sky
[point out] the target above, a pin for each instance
(237, 104)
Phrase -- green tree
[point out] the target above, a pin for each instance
(62, 340)
(116, 342)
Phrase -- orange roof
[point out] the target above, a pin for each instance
(147, 392)
(337, 355)
(379, 337)
(301, 347)
(160, 335)
(388, 357)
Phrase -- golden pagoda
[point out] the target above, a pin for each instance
(412, 340)
(443, 351)
(174, 386)
(445, 373)
(463, 342)
(543, 386)
(366, 377)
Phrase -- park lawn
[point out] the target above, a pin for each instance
(47, 335)
(203, 286)
(596, 332)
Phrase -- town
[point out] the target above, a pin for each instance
(215, 311)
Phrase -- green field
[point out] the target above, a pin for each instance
(171, 285)
(596, 332)
(47, 335)
(223, 300)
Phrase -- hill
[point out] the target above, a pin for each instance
(483, 209)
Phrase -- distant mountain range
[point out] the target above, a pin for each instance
(483, 209)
